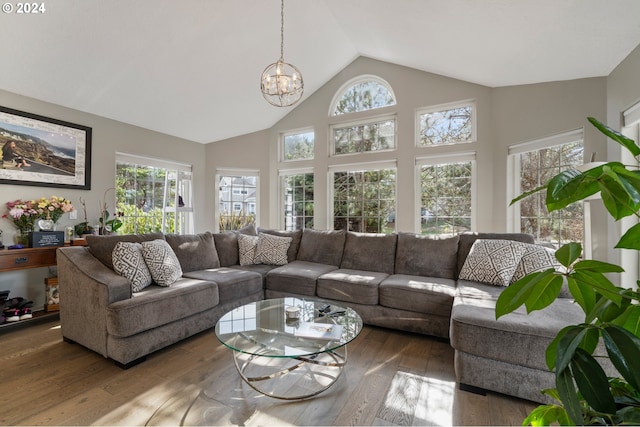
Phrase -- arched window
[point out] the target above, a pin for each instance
(361, 94)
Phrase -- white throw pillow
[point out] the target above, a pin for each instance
(535, 258)
(247, 246)
(128, 261)
(272, 249)
(492, 261)
(162, 262)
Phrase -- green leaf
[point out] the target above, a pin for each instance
(623, 349)
(626, 142)
(630, 415)
(567, 254)
(545, 415)
(630, 319)
(615, 198)
(592, 382)
(597, 266)
(568, 395)
(569, 186)
(600, 283)
(545, 291)
(528, 193)
(630, 239)
(516, 294)
(566, 347)
(552, 350)
(583, 294)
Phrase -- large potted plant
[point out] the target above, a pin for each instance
(584, 393)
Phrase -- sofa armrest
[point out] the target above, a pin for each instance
(86, 288)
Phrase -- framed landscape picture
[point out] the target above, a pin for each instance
(44, 152)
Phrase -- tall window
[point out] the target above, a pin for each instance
(298, 145)
(361, 94)
(447, 124)
(237, 200)
(297, 190)
(364, 200)
(534, 164)
(363, 137)
(153, 195)
(446, 194)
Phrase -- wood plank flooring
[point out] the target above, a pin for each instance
(392, 379)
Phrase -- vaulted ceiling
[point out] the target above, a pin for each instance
(191, 68)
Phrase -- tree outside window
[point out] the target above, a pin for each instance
(298, 201)
(365, 201)
(446, 126)
(298, 146)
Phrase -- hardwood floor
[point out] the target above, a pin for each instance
(392, 378)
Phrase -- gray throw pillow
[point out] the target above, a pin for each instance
(296, 237)
(162, 262)
(369, 251)
(101, 247)
(247, 249)
(427, 256)
(535, 258)
(194, 251)
(322, 247)
(272, 250)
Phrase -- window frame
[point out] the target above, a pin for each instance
(281, 147)
(513, 170)
(282, 175)
(220, 172)
(445, 107)
(447, 158)
(364, 121)
(355, 81)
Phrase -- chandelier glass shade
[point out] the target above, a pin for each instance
(281, 83)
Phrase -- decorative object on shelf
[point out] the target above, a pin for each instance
(42, 146)
(43, 239)
(281, 83)
(23, 215)
(52, 302)
(108, 226)
(52, 210)
(83, 228)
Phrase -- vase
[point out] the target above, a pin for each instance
(46, 224)
(21, 238)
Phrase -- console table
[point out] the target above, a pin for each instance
(21, 259)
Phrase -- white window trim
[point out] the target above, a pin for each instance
(445, 159)
(282, 173)
(364, 121)
(152, 162)
(354, 81)
(443, 107)
(355, 167)
(235, 172)
(281, 150)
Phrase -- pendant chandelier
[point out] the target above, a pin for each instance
(281, 82)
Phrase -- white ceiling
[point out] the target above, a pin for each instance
(191, 68)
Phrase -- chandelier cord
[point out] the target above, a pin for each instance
(282, 30)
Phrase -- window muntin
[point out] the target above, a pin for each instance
(379, 135)
(237, 201)
(446, 197)
(536, 168)
(153, 196)
(298, 200)
(452, 124)
(362, 94)
(364, 200)
(298, 145)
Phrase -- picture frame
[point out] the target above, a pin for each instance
(45, 152)
(52, 297)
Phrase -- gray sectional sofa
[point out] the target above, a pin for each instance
(402, 281)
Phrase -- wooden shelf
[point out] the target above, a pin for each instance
(38, 317)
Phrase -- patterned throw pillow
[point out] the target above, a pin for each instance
(492, 261)
(162, 262)
(128, 261)
(535, 258)
(272, 249)
(247, 249)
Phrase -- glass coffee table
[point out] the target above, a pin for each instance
(288, 357)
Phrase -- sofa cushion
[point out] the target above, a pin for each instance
(296, 237)
(247, 246)
(162, 262)
(102, 246)
(518, 337)
(492, 261)
(322, 247)
(156, 306)
(227, 248)
(429, 256)
(272, 249)
(297, 277)
(194, 251)
(356, 286)
(467, 238)
(369, 251)
(128, 262)
(429, 295)
(233, 284)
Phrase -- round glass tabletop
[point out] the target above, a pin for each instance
(265, 328)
